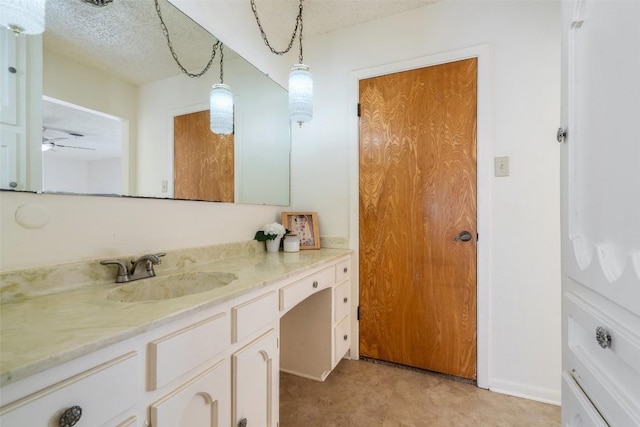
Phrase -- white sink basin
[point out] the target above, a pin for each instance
(172, 286)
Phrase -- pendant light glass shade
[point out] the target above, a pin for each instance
(300, 94)
(22, 16)
(221, 109)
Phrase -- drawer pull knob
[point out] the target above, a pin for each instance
(345, 300)
(603, 337)
(71, 416)
(242, 423)
(345, 337)
(345, 269)
(315, 284)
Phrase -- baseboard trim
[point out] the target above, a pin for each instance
(539, 394)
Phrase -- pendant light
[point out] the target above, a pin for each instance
(22, 16)
(220, 96)
(300, 80)
(300, 94)
(221, 104)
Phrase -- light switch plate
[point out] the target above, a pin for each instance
(501, 165)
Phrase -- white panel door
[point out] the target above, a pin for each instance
(601, 205)
(255, 383)
(201, 402)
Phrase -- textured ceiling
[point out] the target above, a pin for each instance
(125, 39)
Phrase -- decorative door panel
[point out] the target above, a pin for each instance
(255, 382)
(201, 402)
(603, 141)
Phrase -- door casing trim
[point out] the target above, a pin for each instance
(483, 188)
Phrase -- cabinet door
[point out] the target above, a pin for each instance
(201, 402)
(255, 383)
(600, 206)
(9, 82)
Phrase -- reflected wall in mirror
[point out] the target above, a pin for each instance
(112, 89)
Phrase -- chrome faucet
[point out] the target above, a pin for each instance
(141, 268)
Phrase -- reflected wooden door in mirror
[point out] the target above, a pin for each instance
(203, 161)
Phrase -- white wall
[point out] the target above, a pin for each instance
(105, 176)
(84, 227)
(523, 243)
(70, 81)
(523, 270)
(523, 274)
(61, 174)
(67, 175)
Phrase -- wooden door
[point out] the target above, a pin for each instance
(417, 194)
(203, 166)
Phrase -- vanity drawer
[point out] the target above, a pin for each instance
(343, 270)
(102, 393)
(609, 373)
(342, 340)
(576, 408)
(175, 354)
(253, 315)
(294, 293)
(342, 301)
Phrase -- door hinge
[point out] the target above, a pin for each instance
(358, 109)
(477, 237)
(358, 313)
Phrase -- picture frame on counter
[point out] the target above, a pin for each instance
(305, 225)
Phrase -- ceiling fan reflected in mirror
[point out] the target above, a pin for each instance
(49, 143)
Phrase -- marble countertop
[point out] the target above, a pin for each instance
(43, 331)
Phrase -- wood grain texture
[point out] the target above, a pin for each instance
(418, 192)
(203, 161)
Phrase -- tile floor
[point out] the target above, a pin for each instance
(368, 394)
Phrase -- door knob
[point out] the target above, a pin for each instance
(464, 236)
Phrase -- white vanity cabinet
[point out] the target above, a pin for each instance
(315, 327)
(201, 402)
(341, 310)
(93, 396)
(600, 211)
(218, 366)
(256, 382)
(203, 399)
(255, 360)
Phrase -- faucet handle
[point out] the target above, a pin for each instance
(123, 272)
(150, 258)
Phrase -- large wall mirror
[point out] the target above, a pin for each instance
(113, 95)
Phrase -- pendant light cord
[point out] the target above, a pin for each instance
(165, 30)
(221, 63)
(297, 28)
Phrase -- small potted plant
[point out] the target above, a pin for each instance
(271, 234)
